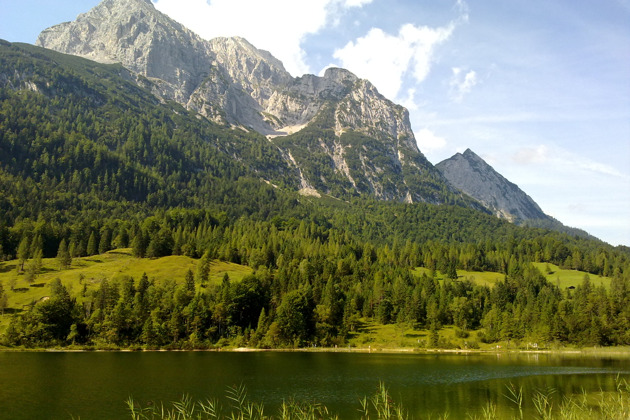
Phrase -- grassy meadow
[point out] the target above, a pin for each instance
(483, 278)
(89, 272)
(554, 274)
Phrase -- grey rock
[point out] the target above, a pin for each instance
(230, 81)
(471, 174)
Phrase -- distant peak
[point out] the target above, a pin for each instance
(141, 2)
(130, 4)
(470, 153)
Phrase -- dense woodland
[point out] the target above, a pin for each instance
(89, 162)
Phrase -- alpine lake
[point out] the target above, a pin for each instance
(96, 385)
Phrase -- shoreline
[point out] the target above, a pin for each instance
(617, 352)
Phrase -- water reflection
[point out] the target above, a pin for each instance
(95, 385)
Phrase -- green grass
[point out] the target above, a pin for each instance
(93, 270)
(483, 278)
(547, 405)
(557, 276)
(374, 336)
(567, 278)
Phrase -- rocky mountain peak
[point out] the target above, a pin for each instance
(475, 177)
(340, 76)
(144, 40)
(470, 155)
(365, 139)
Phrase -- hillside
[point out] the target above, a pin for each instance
(92, 160)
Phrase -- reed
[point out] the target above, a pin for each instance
(381, 406)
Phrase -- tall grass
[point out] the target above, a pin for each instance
(381, 406)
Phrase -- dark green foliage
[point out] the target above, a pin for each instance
(314, 281)
(90, 162)
(63, 255)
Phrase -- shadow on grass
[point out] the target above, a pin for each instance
(416, 335)
(127, 253)
(6, 268)
(11, 311)
(38, 285)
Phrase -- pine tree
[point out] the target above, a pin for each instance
(63, 255)
(190, 282)
(23, 252)
(34, 267)
(104, 244)
(3, 299)
(138, 247)
(203, 269)
(80, 250)
(92, 246)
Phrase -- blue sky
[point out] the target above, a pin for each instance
(539, 89)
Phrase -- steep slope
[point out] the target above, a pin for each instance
(358, 142)
(78, 136)
(475, 177)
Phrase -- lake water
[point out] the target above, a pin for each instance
(95, 385)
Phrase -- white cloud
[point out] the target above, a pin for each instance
(462, 83)
(558, 157)
(278, 26)
(531, 155)
(409, 101)
(356, 3)
(384, 59)
(428, 141)
(462, 8)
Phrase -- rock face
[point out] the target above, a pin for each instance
(475, 177)
(372, 149)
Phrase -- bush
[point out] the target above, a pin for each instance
(461, 333)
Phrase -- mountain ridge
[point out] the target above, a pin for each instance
(229, 81)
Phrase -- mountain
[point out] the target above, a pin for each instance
(91, 161)
(475, 177)
(472, 175)
(78, 136)
(337, 132)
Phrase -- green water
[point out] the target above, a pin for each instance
(96, 385)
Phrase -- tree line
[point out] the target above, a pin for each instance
(312, 284)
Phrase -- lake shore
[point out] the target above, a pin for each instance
(617, 352)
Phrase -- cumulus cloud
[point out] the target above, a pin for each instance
(428, 141)
(384, 59)
(462, 83)
(278, 26)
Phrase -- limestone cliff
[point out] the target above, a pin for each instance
(372, 151)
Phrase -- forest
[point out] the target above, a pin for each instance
(311, 286)
(90, 162)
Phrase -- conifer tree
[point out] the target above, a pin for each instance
(104, 244)
(190, 281)
(138, 247)
(3, 299)
(203, 269)
(92, 246)
(34, 267)
(63, 255)
(23, 252)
